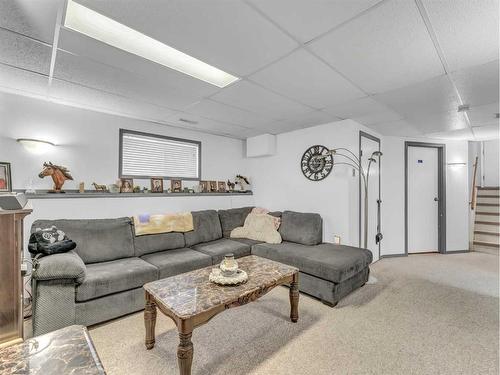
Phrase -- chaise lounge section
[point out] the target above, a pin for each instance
(103, 277)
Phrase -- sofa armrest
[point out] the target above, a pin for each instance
(60, 266)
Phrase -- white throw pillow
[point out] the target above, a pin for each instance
(258, 227)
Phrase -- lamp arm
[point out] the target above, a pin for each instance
(334, 151)
(347, 157)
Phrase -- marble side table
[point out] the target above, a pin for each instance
(66, 351)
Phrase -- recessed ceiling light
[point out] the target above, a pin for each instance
(106, 30)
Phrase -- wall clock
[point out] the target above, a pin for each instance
(316, 163)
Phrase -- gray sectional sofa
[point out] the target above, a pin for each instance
(103, 277)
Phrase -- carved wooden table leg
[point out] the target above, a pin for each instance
(294, 298)
(150, 321)
(185, 353)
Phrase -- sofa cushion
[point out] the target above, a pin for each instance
(302, 228)
(218, 248)
(247, 241)
(97, 240)
(206, 228)
(152, 243)
(115, 276)
(331, 262)
(174, 262)
(233, 218)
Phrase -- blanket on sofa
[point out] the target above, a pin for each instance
(154, 224)
(258, 227)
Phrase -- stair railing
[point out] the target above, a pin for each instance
(473, 199)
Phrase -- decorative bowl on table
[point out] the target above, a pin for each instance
(228, 272)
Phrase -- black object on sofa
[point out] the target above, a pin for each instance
(103, 277)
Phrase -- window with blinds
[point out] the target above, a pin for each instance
(144, 155)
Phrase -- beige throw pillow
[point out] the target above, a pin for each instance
(259, 227)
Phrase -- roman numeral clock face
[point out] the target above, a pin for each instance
(316, 163)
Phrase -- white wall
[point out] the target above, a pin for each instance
(88, 145)
(491, 163)
(393, 225)
(280, 185)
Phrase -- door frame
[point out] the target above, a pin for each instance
(363, 134)
(441, 148)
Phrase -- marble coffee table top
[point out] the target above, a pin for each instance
(191, 293)
(65, 351)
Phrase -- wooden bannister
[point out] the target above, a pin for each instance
(473, 199)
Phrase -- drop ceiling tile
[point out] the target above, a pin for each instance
(85, 97)
(439, 122)
(303, 77)
(307, 19)
(227, 34)
(431, 96)
(384, 49)
(479, 84)
(95, 51)
(22, 82)
(400, 128)
(36, 19)
(484, 133)
(206, 125)
(113, 80)
(251, 97)
(221, 112)
(306, 120)
(467, 30)
(458, 135)
(484, 114)
(24, 53)
(357, 108)
(377, 118)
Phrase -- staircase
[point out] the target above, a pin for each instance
(487, 223)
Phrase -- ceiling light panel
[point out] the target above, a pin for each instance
(106, 30)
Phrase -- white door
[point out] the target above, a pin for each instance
(423, 199)
(368, 146)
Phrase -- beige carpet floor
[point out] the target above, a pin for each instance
(428, 314)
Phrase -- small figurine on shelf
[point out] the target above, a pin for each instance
(136, 189)
(242, 181)
(230, 186)
(58, 173)
(101, 188)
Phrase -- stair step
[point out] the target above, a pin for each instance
(495, 199)
(490, 217)
(488, 192)
(487, 244)
(487, 227)
(486, 249)
(489, 188)
(488, 207)
(487, 213)
(488, 196)
(487, 232)
(488, 237)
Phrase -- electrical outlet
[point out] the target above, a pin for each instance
(336, 239)
(24, 268)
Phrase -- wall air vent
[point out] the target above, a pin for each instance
(463, 108)
(188, 121)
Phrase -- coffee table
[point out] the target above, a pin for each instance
(191, 300)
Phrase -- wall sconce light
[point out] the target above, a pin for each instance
(456, 165)
(36, 146)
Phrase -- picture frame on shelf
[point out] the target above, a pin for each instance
(157, 185)
(176, 186)
(127, 185)
(213, 187)
(204, 188)
(221, 186)
(5, 177)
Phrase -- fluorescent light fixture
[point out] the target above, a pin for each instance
(36, 146)
(106, 30)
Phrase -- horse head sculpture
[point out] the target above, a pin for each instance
(58, 173)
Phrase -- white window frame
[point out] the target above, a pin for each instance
(133, 132)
